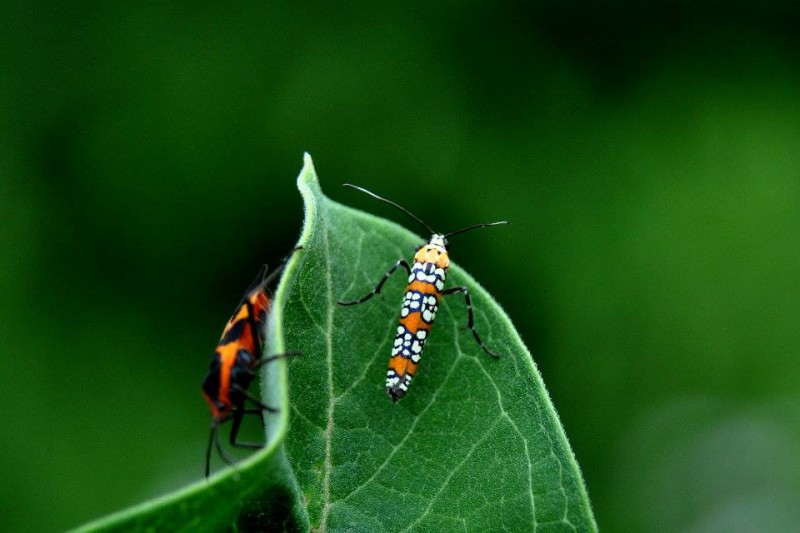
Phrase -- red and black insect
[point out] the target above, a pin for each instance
(424, 292)
(234, 364)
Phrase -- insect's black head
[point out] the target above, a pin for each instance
(220, 408)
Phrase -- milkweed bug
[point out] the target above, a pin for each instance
(424, 292)
(234, 364)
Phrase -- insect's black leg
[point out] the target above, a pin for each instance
(255, 400)
(211, 439)
(470, 319)
(377, 290)
(238, 415)
(214, 440)
(265, 360)
(257, 411)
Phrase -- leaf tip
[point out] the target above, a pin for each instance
(308, 175)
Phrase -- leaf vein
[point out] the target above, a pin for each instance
(405, 437)
(520, 433)
(366, 368)
(453, 473)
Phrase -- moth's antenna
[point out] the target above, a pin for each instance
(400, 207)
(476, 226)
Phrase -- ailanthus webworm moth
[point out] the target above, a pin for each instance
(425, 289)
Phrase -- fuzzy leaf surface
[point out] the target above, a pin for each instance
(475, 445)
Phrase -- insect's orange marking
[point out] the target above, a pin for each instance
(260, 301)
(433, 254)
(402, 366)
(227, 357)
(227, 352)
(413, 323)
(423, 287)
(215, 413)
(247, 340)
(240, 314)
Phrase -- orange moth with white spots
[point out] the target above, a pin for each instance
(426, 278)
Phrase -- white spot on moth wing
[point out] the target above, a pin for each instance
(439, 272)
(400, 330)
(415, 358)
(439, 285)
(414, 305)
(411, 278)
(415, 296)
(416, 347)
(421, 334)
(421, 275)
(404, 312)
(430, 278)
(427, 316)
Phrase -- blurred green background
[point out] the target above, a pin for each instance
(648, 157)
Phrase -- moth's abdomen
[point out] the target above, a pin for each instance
(417, 313)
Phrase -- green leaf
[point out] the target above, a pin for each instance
(232, 498)
(475, 445)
